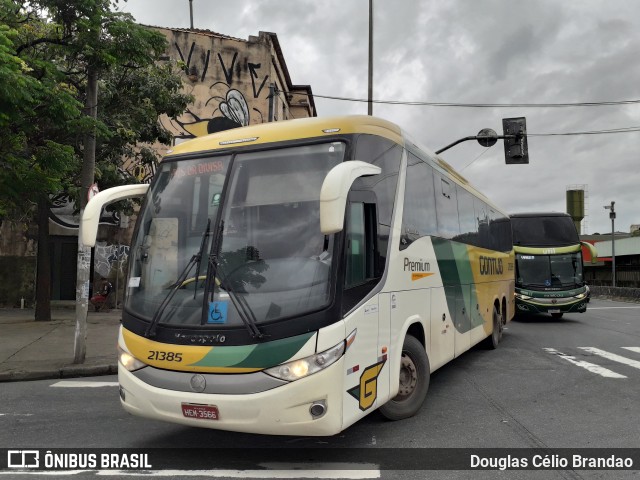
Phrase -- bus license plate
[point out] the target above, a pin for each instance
(554, 310)
(202, 412)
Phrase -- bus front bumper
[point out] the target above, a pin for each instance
(285, 410)
(556, 305)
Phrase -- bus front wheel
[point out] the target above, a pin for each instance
(414, 381)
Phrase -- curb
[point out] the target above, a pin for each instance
(68, 371)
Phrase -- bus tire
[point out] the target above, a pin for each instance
(414, 381)
(557, 315)
(492, 341)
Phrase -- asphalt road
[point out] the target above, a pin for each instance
(569, 383)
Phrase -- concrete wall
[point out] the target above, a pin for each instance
(616, 293)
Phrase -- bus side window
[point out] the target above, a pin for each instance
(361, 270)
(446, 207)
(419, 213)
(361, 241)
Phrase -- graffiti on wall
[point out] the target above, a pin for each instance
(223, 105)
(110, 257)
(234, 113)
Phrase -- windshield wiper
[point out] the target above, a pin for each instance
(203, 242)
(242, 307)
(240, 303)
(195, 260)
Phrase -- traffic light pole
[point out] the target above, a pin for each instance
(516, 149)
(489, 141)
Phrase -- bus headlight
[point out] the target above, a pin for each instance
(128, 361)
(520, 296)
(304, 367)
(580, 295)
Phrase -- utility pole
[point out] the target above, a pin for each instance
(370, 95)
(191, 12)
(612, 216)
(84, 253)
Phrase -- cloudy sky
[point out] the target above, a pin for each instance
(470, 52)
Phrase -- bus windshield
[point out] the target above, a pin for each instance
(549, 271)
(268, 255)
(540, 231)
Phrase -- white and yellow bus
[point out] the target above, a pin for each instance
(292, 277)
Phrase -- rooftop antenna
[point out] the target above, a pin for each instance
(191, 12)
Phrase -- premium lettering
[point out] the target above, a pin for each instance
(419, 266)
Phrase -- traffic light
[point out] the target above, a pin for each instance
(516, 150)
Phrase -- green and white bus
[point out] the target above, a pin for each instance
(292, 277)
(549, 264)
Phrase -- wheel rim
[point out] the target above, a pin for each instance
(408, 377)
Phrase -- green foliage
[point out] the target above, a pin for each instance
(46, 50)
(131, 101)
(38, 117)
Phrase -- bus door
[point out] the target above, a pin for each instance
(367, 370)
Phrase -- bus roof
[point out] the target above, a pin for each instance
(539, 214)
(291, 130)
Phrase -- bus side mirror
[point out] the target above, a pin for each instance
(334, 192)
(592, 251)
(91, 214)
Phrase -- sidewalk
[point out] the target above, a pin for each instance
(31, 350)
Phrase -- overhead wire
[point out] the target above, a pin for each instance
(476, 105)
(503, 105)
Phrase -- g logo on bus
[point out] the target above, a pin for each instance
(367, 391)
(198, 383)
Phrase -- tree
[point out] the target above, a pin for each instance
(40, 119)
(55, 57)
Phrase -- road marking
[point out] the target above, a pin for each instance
(77, 384)
(609, 308)
(633, 349)
(592, 367)
(354, 472)
(612, 356)
(321, 472)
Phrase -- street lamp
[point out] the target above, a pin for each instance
(612, 216)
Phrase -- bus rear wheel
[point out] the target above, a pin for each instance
(414, 381)
(492, 341)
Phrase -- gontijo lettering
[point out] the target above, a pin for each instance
(491, 266)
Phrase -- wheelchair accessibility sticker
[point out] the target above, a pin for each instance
(217, 312)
